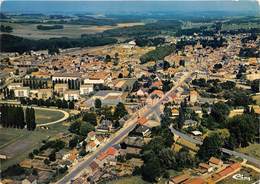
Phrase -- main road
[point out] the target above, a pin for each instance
(122, 133)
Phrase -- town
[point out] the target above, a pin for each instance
(177, 109)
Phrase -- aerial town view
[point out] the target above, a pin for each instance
(130, 92)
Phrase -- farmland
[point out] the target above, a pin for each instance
(29, 30)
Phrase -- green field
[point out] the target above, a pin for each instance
(17, 144)
(45, 116)
(252, 150)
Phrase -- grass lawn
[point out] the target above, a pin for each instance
(45, 116)
(17, 144)
(252, 150)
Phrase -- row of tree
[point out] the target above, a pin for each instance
(61, 104)
(14, 117)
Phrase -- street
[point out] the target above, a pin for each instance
(122, 133)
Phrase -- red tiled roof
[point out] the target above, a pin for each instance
(195, 181)
(158, 93)
(214, 160)
(142, 120)
(109, 152)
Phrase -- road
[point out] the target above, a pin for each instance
(224, 150)
(122, 133)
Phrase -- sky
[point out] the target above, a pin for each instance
(210, 6)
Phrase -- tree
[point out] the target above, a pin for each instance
(73, 142)
(255, 85)
(211, 147)
(120, 111)
(52, 156)
(90, 117)
(219, 112)
(243, 129)
(71, 105)
(85, 128)
(151, 169)
(181, 117)
(75, 127)
(108, 58)
(167, 158)
(98, 103)
(184, 158)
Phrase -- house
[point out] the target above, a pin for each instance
(157, 94)
(157, 84)
(44, 94)
(91, 146)
(111, 152)
(179, 179)
(105, 126)
(175, 112)
(143, 130)
(196, 133)
(142, 120)
(215, 162)
(71, 95)
(94, 166)
(141, 93)
(22, 92)
(206, 167)
(193, 96)
(190, 123)
(60, 88)
(91, 136)
(228, 171)
(86, 89)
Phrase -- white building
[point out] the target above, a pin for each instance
(22, 92)
(86, 89)
(71, 95)
(13, 86)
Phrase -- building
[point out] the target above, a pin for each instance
(190, 123)
(86, 89)
(60, 88)
(215, 162)
(108, 97)
(22, 92)
(44, 94)
(13, 86)
(179, 179)
(206, 167)
(97, 78)
(65, 76)
(71, 95)
(193, 96)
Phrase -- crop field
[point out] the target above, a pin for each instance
(29, 30)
